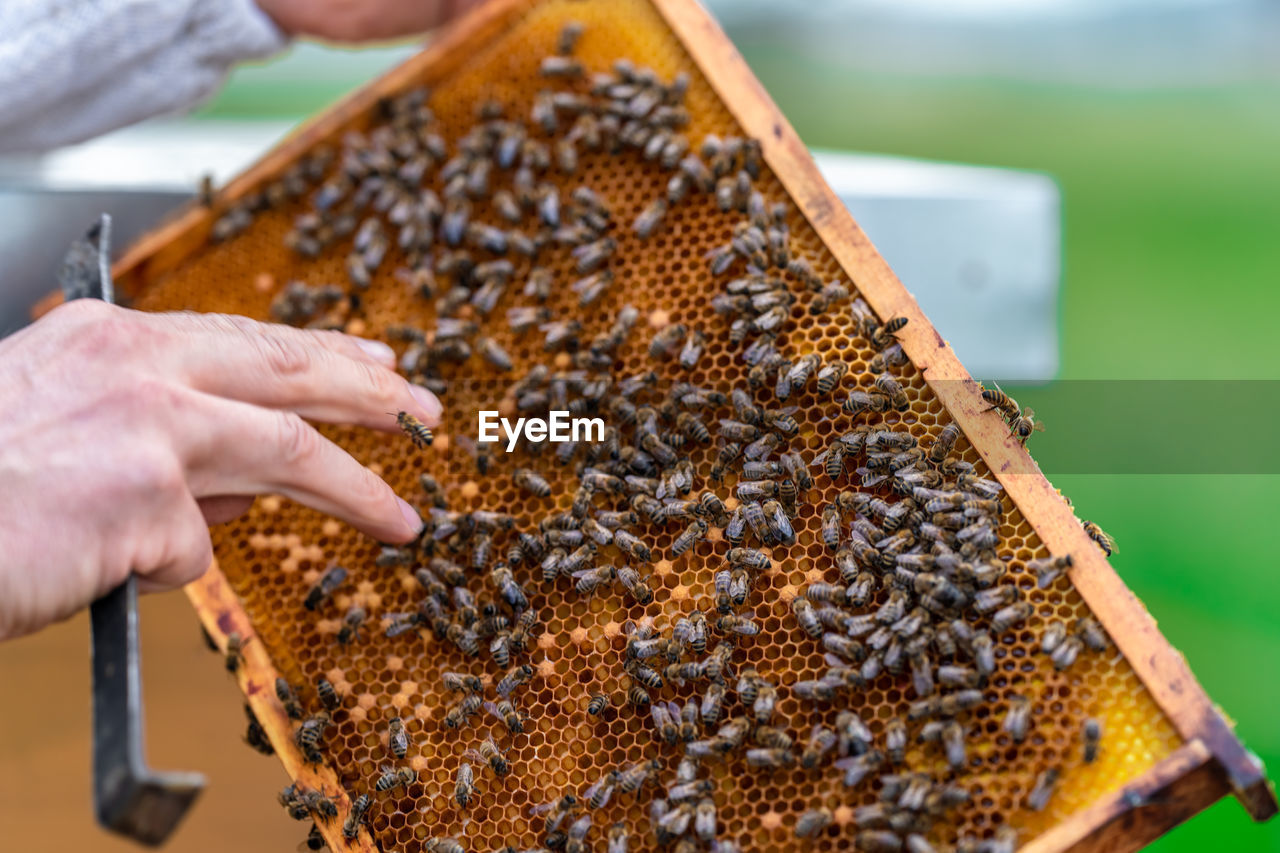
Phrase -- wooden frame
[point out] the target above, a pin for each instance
(1211, 762)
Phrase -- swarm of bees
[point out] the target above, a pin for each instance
(916, 589)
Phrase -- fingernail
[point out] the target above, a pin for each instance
(428, 402)
(411, 516)
(378, 350)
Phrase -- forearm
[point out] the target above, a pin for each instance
(69, 71)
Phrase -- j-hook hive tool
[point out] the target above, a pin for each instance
(129, 797)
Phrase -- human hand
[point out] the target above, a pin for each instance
(124, 434)
(361, 20)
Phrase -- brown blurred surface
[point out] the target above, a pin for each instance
(193, 722)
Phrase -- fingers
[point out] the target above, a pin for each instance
(188, 553)
(246, 450)
(224, 508)
(345, 21)
(324, 376)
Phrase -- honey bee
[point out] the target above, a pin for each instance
(589, 580)
(492, 756)
(712, 704)
(830, 375)
(575, 841)
(493, 353)
(328, 695)
(1011, 616)
(443, 845)
(1052, 636)
(515, 677)
(813, 822)
(638, 696)
(821, 741)
(419, 433)
(397, 738)
(943, 445)
(1092, 634)
(506, 712)
(234, 654)
(309, 735)
(464, 785)
(1091, 735)
(665, 341)
(1101, 537)
(632, 546)
(567, 40)
(1024, 424)
(779, 524)
(1066, 653)
(860, 401)
(556, 811)
(890, 387)
(1043, 789)
(532, 482)
(1002, 402)
(462, 712)
(645, 675)
(806, 616)
(691, 352)
(325, 587)
(393, 778)
(351, 625)
(288, 699)
(632, 779)
(771, 759)
(560, 66)
(692, 535)
(650, 218)
(255, 735)
(635, 585)
(859, 767)
(351, 827)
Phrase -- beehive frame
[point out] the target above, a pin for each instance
(1210, 762)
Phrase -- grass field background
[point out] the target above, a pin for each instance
(1171, 271)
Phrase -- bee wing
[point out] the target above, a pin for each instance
(543, 808)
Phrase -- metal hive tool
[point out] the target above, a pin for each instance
(1167, 752)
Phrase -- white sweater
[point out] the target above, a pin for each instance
(72, 69)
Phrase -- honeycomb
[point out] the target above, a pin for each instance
(275, 553)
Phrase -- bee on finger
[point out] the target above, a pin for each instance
(419, 433)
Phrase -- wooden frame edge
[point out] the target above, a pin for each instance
(1180, 786)
(1159, 666)
(221, 613)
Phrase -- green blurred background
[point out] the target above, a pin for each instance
(1171, 198)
